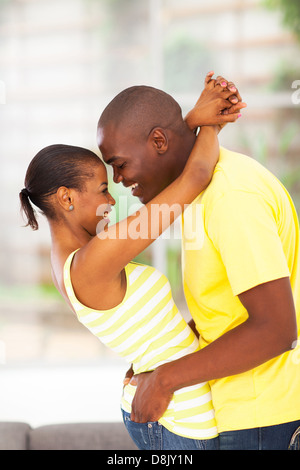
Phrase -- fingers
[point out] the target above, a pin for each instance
(231, 112)
(230, 86)
(224, 118)
(226, 84)
(227, 95)
(133, 380)
(132, 414)
(209, 82)
(128, 376)
(208, 77)
(232, 108)
(236, 108)
(233, 99)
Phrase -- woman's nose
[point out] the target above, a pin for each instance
(112, 201)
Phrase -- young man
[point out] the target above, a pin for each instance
(241, 274)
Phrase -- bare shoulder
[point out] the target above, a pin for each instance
(92, 287)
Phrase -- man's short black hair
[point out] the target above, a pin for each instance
(141, 109)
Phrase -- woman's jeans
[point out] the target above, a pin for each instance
(154, 436)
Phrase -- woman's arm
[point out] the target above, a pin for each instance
(109, 252)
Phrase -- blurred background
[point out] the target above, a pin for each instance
(61, 62)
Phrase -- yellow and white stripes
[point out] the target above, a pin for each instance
(147, 330)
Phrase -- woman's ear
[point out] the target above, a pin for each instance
(159, 140)
(64, 197)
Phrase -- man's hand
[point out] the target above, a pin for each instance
(219, 103)
(150, 400)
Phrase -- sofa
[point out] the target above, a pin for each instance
(69, 436)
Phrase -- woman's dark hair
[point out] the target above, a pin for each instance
(53, 167)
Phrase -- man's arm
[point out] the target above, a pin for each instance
(269, 331)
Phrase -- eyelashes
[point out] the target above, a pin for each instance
(122, 166)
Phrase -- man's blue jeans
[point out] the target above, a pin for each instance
(154, 436)
(281, 437)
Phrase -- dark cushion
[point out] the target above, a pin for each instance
(14, 436)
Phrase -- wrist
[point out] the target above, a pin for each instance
(212, 129)
(190, 122)
(165, 378)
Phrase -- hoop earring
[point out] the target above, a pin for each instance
(71, 207)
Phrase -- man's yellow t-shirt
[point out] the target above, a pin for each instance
(240, 232)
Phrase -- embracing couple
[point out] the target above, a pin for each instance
(230, 379)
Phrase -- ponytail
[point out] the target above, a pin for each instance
(28, 210)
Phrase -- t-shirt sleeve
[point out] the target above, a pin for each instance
(242, 226)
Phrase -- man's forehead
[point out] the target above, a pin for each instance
(110, 134)
(113, 145)
(105, 133)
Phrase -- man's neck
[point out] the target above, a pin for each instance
(183, 151)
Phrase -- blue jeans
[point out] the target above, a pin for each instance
(281, 437)
(154, 436)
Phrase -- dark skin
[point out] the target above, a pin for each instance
(104, 251)
(133, 163)
(269, 331)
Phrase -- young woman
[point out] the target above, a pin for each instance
(127, 305)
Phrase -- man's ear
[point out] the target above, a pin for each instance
(159, 140)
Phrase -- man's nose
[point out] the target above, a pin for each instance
(117, 177)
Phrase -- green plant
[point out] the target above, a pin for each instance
(290, 10)
(283, 75)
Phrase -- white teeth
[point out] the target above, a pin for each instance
(134, 185)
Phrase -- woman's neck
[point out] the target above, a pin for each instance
(64, 238)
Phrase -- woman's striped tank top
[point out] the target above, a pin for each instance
(147, 330)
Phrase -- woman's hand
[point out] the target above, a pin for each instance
(219, 103)
(128, 376)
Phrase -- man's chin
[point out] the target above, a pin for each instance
(145, 197)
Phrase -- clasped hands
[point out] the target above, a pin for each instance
(219, 103)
